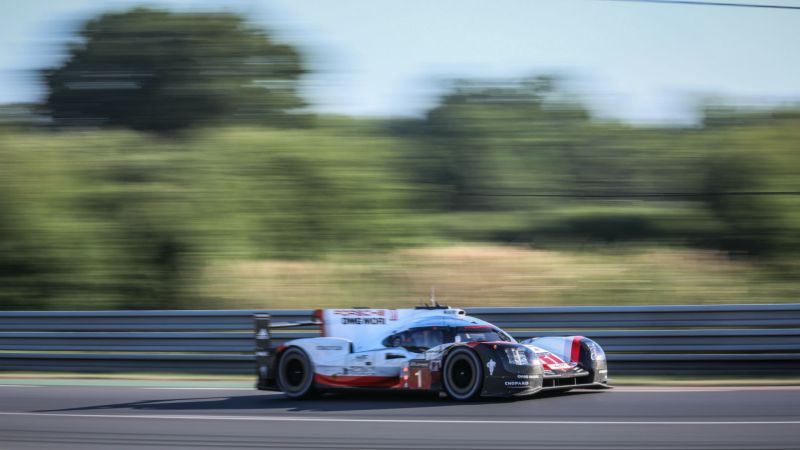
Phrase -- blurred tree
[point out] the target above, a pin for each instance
(487, 135)
(751, 184)
(749, 220)
(22, 265)
(164, 71)
(32, 268)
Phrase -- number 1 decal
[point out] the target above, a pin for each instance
(418, 374)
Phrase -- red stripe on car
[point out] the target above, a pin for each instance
(357, 381)
(576, 349)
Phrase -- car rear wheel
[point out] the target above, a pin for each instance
(296, 374)
(463, 374)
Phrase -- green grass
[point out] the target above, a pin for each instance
(493, 275)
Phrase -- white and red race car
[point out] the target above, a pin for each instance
(435, 349)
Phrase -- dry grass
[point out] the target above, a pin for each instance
(477, 275)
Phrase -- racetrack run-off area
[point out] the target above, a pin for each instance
(68, 417)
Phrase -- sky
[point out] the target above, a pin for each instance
(639, 62)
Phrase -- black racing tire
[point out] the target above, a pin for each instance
(295, 375)
(463, 374)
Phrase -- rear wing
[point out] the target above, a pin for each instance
(265, 353)
(264, 327)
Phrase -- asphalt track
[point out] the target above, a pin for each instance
(48, 417)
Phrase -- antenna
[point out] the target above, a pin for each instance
(434, 304)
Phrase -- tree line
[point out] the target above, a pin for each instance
(170, 141)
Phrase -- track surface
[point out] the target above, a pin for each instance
(623, 418)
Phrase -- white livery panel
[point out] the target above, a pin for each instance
(367, 328)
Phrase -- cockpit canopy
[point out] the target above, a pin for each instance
(420, 339)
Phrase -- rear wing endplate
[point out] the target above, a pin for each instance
(264, 327)
(265, 353)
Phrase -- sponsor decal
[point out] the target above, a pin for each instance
(329, 347)
(516, 383)
(262, 370)
(360, 312)
(418, 364)
(365, 316)
(526, 376)
(361, 370)
(491, 365)
(560, 366)
(262, 334)
(363, 321)
(262, 354)
(553, 362)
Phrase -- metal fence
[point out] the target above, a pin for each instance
(756, 340)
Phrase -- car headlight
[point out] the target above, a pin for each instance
(517, 356)
(596, 351)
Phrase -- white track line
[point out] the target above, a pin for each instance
(176, 388)
(416, 421)
(630, 389)
(704, 388)
(164, 388)
(636, 389)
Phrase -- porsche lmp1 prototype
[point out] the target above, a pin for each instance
(435, 349)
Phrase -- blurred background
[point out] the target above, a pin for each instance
(298, 154)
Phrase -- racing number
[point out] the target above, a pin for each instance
(420, 378)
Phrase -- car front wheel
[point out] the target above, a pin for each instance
(463, 374)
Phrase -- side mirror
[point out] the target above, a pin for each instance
(393, 341)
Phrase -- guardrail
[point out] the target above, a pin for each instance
(678, 340)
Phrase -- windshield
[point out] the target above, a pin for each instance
(419, 339)
(424, 338)
(480, 334)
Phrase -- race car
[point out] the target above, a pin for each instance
(430, 348)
